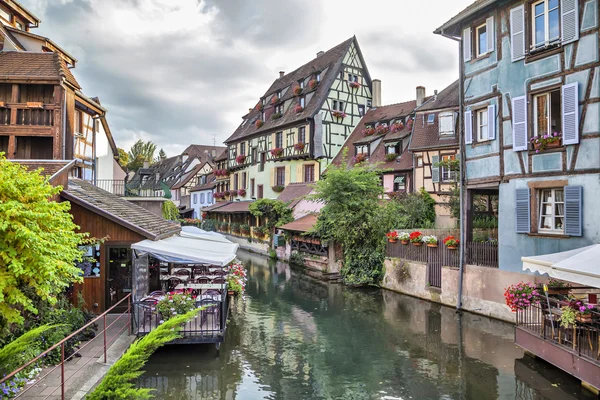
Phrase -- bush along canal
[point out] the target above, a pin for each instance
(293, 337)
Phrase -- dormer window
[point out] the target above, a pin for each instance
(430, 118)
(302, 102)
(446, 123)
(362, 149)
(338, 105)
(318, 77)
(279, 109)
(278, 94)
(301, 84)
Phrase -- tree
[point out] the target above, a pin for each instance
(161, 155)
(123, 158)
(275, 213)
(170, 211)
(39, 243)
(139, 153)
(410, 211)
(354, 217)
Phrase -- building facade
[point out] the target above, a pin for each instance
(203, 194)
(530, 75)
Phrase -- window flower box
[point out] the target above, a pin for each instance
(451, 242)
(240, 159)
(242, 192)
(298, 109)
(297, 90)
(368, 131)
(409, 124)
(278, 188)
(416, 238)
(354, 85)
(277, 152)
(258, 123)
(382, 129)
(404, 237)
(543, 142)
(398, 126)
(275, 116)
(360, 158)
(521, 295)
(274, 99)
(299, 147)
(338, 114)
(233, 193)
(313, 84)
(391, 157)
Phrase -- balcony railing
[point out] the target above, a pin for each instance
(126, 189)
(42, 115)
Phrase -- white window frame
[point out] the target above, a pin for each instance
(443, 116)
(419, 161)
(547, 40)
(550, 112)
(479, 51)
(447, 174)
(552, 205)
(482, 135)
(364, 147)
(302, 101)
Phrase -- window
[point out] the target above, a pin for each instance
(252, 187)
(235, 181)
(430, 118)
(361, 110)
(90, 265)
(209, 197)
(302, 135)
(262, 116)
(369, 103)
(318, 77)
(362, 149)
(263, 157)
(392, 149)
(279, 140)
(447, 173)
(552, 211)
(279, 109)
(481, 37)
(243, 185)
(242, 148)
(301, 84)
(399, 183)
(280, 176)
(279, 94)
(20, 26)
(338, 105)
(201, 198)
(309, 173)
(419, 161)
(547, 113)
(446, 122)
(259, 192)
(195, 198)
(482, 124)
(254, 156)
(352, 78)
(545, 28)
(302, 101)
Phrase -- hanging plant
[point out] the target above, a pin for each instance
(409, 124)
(451, 242)
(240, 159)
(259, 106)
(521, 295)
(258, 123)
(233, 193)
(299, 146)
(391, 156)
(398, 126)
(278, 188)
(368, 131)
(382, 129)
(226, 193)
(275, 116)
(313, 84)
(277, 152)
(274, 99)
(242, 192)
(338, 114)
(298, 109)
(354, 85)
(297, 90)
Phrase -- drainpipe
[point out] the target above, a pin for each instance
(64, 120)
(462, 221)
(95, 163)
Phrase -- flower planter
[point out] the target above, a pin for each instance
(431, 245)
(417, 244)
(451, 247)
(393, 240)
(563, 291)
(231, 293)
(404, 241)
(585, 318)
(550, 145)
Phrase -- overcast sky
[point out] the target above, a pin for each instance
(185, 71)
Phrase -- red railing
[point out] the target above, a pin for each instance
(61, 344)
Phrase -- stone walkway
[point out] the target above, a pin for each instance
(82, 373)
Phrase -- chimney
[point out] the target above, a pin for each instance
(184, 157)
(320, 53)
(281, 74)
(376, 92)
(250, 110)
(420, 95)
(146, 164)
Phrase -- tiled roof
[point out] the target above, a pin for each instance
(232, 207)
(467, 12)
(210, 184)
(185, 179)
(216, 206)
(328, 64)
(447, 98)
(200, 150)
(222, 156)
(119, 210)
(16, 65)
(303, 224)
(49, 168)
(294, 192)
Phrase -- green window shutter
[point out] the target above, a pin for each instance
(522, 213)
(573, 210)
(435, 169)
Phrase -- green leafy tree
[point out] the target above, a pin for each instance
(139, 153)
(161, 155)
(118, 381)
(170, 211)
(354, 217)
(123, 158)
(275, 213)
(39, 242)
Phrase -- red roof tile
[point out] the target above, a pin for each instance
(17, 66)
(294, 192)
(303, 224)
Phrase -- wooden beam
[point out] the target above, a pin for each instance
(26, 130)
(14, 98)
(11, 147)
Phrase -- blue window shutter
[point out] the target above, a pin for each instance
(523, 211)
(466, 42)
(491, 37)
(491, 122)
(573, 210)
(435, 169)
(519, 123)
(570, 113)
(569, 20)
(468, 127)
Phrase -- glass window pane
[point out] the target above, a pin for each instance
(482, 40)
(559, 209)
(541, 109)
(539, 9)
(559, 195)
(546, 223)
(552, 4)
(540, 30)
(546, 196)
(558, 223)
(553, 25)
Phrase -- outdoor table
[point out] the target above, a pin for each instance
(200, 286)
(167, 277)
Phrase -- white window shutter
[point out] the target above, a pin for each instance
(573, 210)
(466, 39)
(491, 122)
(523, 211)
(519, 123)
(569, 20)
(490, 31)
(517, 33)
(435, 169)
(468, 127)
(570, 113)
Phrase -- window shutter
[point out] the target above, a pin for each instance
(435, 169)
(299, 173)
(288, 171)
(517, 33)
(573, 210)
(569, 20)
(489, 28)
(492, 122)
(570, 113)
(523, 215)
(519, 123)
(468, 127)
(466, 39)
(273, 172)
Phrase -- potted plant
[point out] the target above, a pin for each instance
(173, 304)
(547, 141)
(430, 241)
(233, 193)
(298, 109)
(226, 193)
(299, 147)
(274, 99)
(258, 123)
(338, 114)
(275, 116)
(260, 107)
(368, 131)
(313, 83)
(451, 242)
(392, 236)
(568, 316)
(297, 90)
(360, 158)
(382, 129)
(583, 311)
(398, 126)
(245, 229)
(278, 188)
(240, 159)
(391, 156)
(277, 152)
(521, 295)
(354, 85)
(557, 286)
(236, 278)
(242, 192)
(404, 237)
(409, 124)
(416, 238)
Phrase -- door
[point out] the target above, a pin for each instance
(118, 278)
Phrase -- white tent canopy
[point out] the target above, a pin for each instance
(191, 247)
(197, 233)
(580, 265)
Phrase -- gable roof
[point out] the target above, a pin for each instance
(294, 193)
(328, 64)
(49, 43)
(19, 66)
(210, 184)
(119, 210)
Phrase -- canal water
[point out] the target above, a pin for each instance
(293, 337)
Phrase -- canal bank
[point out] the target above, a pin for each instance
(294, 337)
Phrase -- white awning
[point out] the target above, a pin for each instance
(191, 250)
(580, 265)
(196, 233)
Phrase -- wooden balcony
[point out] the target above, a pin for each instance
(28, 119)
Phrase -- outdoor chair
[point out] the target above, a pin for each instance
(156, 293)
(202, 279)
(147, 309)
(183, 272)
(219, 280)
(173, 282)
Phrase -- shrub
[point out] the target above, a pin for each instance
(235, 227)
(170, 211)
(174, 304)
(245, 229)
(209, 225)
(297, 258)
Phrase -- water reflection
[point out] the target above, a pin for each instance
(293, 337)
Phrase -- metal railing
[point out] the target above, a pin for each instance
(583, 337)
(126, 189)
(481, 254)
(106, 342)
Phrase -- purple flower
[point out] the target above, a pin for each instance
(537, 151)
(582, 309)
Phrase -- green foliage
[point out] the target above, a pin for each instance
(175, 304)
(39, 242)
(118, 382)
(235, 227)
(297, 258)
(139, 153)
(453, 204)
(272, 254)
(354, 217)
(161, 155)
(485, 222)
(18, 352)
(414, 210)
(273, 212)
(170, 211)
(210, 225)
(568, 317)
(123, 158)
(245, 229)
